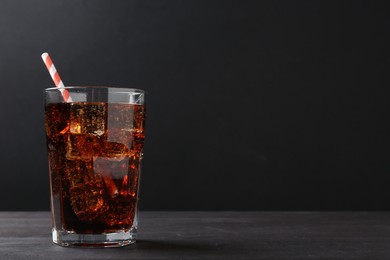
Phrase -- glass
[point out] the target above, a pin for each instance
(94, 145)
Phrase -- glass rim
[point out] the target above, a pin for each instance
(120, 89)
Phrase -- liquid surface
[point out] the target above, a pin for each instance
(94, 154)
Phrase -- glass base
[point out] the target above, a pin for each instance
(71, 239)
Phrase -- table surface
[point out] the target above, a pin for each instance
(215, 235)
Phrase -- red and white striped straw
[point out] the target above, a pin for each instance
(56, 77)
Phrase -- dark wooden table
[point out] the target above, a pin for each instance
(215, 235)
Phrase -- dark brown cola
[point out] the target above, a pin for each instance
(94, 164)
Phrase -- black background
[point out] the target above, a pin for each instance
(252, 105)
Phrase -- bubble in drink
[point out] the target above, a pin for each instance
(94, 162)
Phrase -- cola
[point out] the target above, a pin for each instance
(95, 151)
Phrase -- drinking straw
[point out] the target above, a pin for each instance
(112, 189)
(56, 77)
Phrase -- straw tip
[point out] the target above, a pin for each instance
(44, 55)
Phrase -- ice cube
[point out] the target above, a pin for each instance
(120, 117)
(56, 123)
(121, 213)
(134, 173)
(117, 151)
(113, 170)
(124, 137)
(139, 119)
(116, 167)
(80, 173)
(86, 190)
(86, 146)
(88, 203)
(81, 147)
(88, 118)
(102, 168)
(124, 121)
(138, 142)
